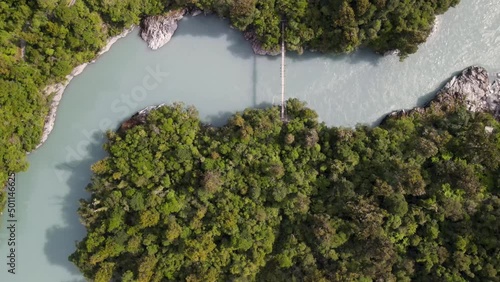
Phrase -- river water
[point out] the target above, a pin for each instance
(210, 66)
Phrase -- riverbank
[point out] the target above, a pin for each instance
(445, 154)
(156, 32)
(435, 27)
(57, 89)
(432, 33)
(473, 88)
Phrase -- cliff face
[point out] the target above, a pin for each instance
(158, 30)
(472, 88)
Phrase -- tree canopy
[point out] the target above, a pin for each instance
(42, 41)
(416, 198)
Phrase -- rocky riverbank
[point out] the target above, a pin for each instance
(257, 46)
(158, 30)
(138, 118)
(473, 88)
(57, 89)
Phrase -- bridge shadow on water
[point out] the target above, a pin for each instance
(212, 26)
(61, 240)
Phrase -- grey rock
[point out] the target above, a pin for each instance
(257, 46)
(471, 88)
(148, 109)
(158, 30)
(139, 118)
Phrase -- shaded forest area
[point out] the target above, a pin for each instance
(42, 41)
(415, 199)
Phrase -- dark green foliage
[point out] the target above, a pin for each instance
(42, 41)
(414, 199)
(54, 38)
(334, 25)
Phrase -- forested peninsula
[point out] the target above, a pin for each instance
(259, 199)
(42, 41)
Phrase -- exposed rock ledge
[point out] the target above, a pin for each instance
(158, 30)
(471, 88)
(57, 89)
(257, 46)
(138, 118)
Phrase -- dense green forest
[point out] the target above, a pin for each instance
(42, 40)
(416, 198)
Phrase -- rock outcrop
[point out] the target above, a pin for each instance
(471, 88)
(139, 118)
(158, 30)
(257, 46)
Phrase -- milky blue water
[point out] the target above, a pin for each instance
(210, 66)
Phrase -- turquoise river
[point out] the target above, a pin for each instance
(210, 66)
